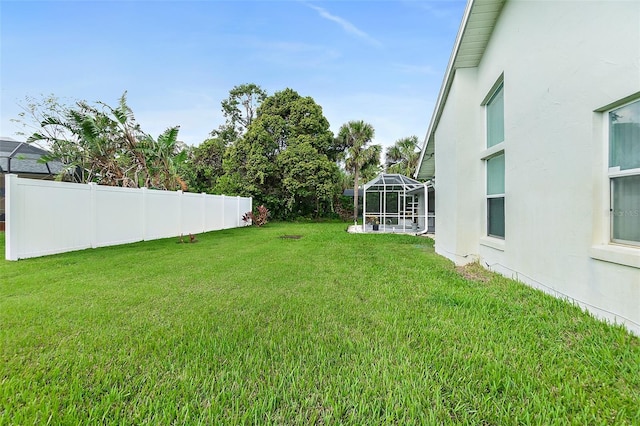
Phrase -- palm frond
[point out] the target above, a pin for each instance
(36, 137)
(169, 137)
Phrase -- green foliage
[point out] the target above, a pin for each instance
(403, 156)
(344, 208)
(286, 159)
(205, 165)
(355, 136)
(239, 110)
(245, 327)
(204, 169)
(307, 177)
(104, 144)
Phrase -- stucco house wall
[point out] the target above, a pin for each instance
(562, 63)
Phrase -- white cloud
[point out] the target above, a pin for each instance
(439, 9)
(346, 25)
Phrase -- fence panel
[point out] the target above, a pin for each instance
(118, 215)
(39, 212)
(192, 220)
(162, 214)
(230, 207)
(45, 217)
(214, 215)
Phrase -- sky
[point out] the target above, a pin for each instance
(374, 60)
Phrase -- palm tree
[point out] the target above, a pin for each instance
(355, 135)
(402, 157)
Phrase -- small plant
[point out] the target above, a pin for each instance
(261, 217)
(192, 239)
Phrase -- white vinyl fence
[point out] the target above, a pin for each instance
(45, 217)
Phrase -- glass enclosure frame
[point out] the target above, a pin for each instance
(395, 203)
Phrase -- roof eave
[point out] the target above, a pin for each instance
(486, 13)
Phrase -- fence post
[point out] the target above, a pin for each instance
(11, 249)
(93, 211)
(238, 211)
(204, 211)
(224, 207)
(180, 201)
(143, 212)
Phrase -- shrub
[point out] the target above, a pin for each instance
(259, 218)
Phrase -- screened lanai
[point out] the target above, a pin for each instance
(396, 203)
(23, 160)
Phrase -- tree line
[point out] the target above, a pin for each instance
(275, 148)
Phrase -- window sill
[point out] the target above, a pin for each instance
(490, 152)
(494, 243)
(628, 256)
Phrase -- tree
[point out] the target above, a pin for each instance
(104, 144)
(285, 159)
(239, 110)
(308, 178)
(403, 156)
(205, 162)
(355, 135)
(204, 165)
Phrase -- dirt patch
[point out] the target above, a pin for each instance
(474, 272)
(291, 237)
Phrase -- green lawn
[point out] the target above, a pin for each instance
(246, 327)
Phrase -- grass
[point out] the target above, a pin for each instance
(245, 327)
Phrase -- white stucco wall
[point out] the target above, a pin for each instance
(562, 61)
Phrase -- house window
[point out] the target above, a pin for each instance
(624, 173)
(495, 118)
(495, 196)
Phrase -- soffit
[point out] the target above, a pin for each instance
(477, 32)
(474, 34)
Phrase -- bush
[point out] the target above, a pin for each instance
(259, 218)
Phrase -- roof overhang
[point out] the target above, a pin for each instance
(394, 180)
(478, 22)
(25, 159)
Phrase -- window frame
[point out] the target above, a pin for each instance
(614, 172)
(495, 196)
(496, 91)
(492, 151)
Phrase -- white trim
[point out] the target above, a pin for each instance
(480, 42)
(493, 242)
(615, 172)
(499, 83)
(488, 197)
(619, 103)
(497, 88)
(446, 83)
(611, 174)
(494, 151)
(615, 253)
